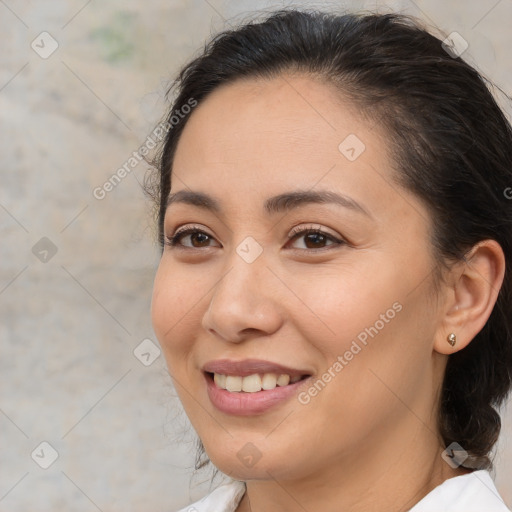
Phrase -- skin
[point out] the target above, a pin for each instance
(369, 440)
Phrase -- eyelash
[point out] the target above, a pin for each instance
(173, 241)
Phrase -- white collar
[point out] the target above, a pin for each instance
(473, 492)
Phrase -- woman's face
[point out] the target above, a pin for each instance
(350, 310)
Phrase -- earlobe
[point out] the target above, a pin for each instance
(475, 285)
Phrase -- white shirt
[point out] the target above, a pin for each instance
(473, 492)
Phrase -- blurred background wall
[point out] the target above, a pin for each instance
(81, 87)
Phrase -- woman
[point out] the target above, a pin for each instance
(332, 298)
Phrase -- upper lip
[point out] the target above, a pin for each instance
(247, 367)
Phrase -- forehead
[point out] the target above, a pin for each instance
(268, 123)
(253, 139)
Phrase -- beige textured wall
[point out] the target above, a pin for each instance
(70, 324)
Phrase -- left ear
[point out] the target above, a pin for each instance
(474, 286)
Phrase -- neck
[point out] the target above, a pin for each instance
(392, 472)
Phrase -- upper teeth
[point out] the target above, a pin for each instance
(253, 383)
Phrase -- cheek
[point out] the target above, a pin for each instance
(365, 325)
(175, 302)
(345, 303)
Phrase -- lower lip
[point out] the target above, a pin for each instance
(246, 404)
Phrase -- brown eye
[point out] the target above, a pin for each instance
(200, 238)
(197, 238)
(315, 239)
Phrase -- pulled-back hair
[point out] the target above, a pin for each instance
(450, 144)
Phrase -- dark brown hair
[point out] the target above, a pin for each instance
(450, 142)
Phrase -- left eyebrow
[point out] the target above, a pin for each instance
(273, 205)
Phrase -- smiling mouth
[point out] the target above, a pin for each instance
(253, 383)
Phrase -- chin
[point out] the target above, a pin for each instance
(246, 461)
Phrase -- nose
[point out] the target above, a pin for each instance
(244, 302)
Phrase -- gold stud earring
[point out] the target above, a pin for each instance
(452, 339)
